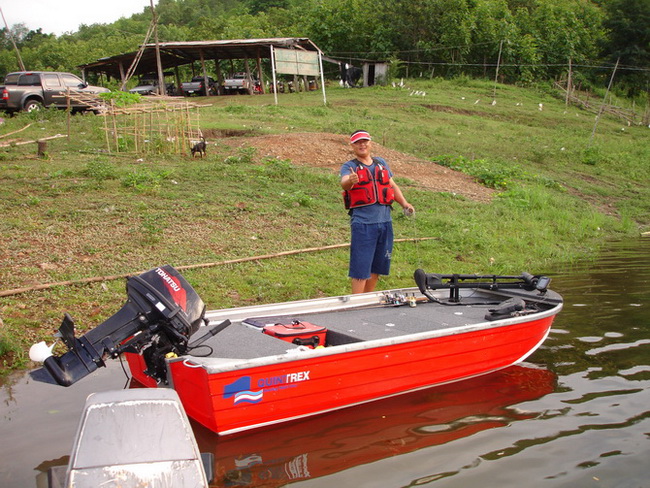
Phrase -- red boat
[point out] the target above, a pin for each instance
(267, 364)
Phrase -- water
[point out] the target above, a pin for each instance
(577, 415)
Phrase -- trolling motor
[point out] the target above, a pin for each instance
(454, 282)
(160, 315)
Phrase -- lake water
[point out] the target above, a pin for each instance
(577, 414)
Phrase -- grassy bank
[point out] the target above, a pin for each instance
(80, 213)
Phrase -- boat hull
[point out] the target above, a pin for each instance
(260, 393)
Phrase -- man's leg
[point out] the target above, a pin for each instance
(371, 283)
(358, 286)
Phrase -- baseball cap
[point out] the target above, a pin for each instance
(359, 135)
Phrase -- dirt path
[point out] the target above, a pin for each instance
(327, 150)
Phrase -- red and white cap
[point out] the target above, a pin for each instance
(360, 135)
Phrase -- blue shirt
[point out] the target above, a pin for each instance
(369, 214)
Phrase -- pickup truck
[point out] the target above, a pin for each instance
(195, 87)
(238, 82)
(31, 90)
(148, 85)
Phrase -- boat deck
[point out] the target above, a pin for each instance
(245, 340)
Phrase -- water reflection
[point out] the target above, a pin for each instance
(340, 440)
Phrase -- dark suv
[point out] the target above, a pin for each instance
(31, 90)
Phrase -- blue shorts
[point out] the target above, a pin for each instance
(371, 247)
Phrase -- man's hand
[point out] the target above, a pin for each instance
(350, 180)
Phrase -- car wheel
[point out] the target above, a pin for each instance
(32, 106)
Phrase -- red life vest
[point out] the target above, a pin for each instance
(370, 189)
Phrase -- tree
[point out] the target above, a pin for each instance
(628, 39)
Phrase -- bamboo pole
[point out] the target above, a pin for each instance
(602, 107)
(16, 131)
(22, 143)
(44, 286)
(496, 74)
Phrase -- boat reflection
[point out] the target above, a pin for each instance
(325, 444)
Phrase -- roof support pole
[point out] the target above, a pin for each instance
(248, 76)
(205, 74)
(260, 74)
(217, 68)
(322, 75)
(275, 84)
(161, 77)
(123, 79)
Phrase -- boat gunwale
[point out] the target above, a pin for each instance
(216, 365)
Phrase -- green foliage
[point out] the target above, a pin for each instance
(100, 170)
(244, 156)
(145, 179)
(493, 174)
(121, 98)
(276, 168)
(7, 344)
(536, 39)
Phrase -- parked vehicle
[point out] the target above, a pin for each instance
(148, 85)
(31, 90)
(196, 87)
(238, 83)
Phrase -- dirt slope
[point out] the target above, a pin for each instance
(331, 150)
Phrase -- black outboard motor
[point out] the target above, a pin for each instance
(160, 315)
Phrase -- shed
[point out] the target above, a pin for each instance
(179, 53)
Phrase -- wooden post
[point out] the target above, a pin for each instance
(260, 74)
(123, 79)
(248, 76)
(205, 75)
(568, 85)
(13, 42)
(161, 76)
(42, 148)
(496, 75)
(217, 68)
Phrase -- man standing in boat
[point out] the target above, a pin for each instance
(369, 191)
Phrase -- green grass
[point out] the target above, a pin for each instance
(81, 212)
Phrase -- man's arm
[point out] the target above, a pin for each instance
(349, 180)
(399, 196)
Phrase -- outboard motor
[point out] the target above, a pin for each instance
(161, 313)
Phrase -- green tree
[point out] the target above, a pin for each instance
(628, 39)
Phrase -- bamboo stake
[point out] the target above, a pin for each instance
(44, 286)
(22, 143)
(602, 107)
(15, 132)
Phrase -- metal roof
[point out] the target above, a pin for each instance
(179, 53)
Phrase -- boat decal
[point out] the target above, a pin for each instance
(241, 389)
(249, 396)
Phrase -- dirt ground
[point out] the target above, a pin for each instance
(326, 150)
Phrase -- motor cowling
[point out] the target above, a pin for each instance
(161, 314)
